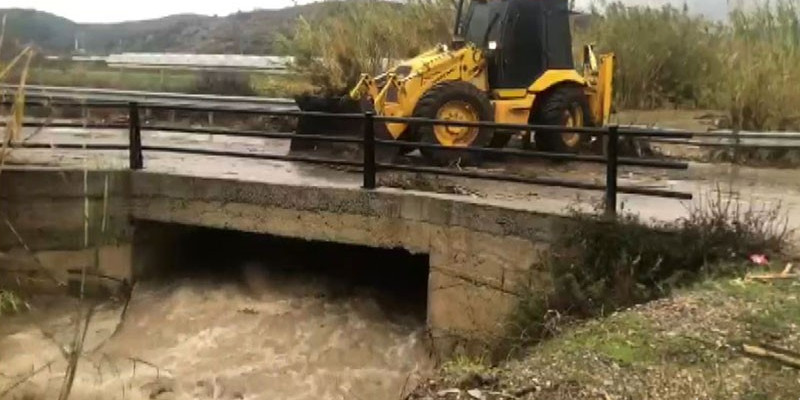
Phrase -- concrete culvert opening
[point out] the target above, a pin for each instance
(396, 279)
(279, 317)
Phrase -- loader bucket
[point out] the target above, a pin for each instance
(331, 126)
(327, 126)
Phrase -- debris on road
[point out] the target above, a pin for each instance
(785, 274)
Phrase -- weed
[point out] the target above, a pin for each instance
(11, 303)
(463, 365)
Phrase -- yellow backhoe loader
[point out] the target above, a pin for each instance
(510, 61)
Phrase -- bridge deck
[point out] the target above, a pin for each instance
(755, 185)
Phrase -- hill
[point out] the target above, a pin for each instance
(241, 33)
(43, 29)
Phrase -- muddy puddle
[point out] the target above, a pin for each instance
(260, 335)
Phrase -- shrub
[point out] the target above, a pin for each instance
(601, 265)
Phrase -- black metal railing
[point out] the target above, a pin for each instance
(369, 142)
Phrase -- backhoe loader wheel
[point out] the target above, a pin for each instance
(565, 106)
(455, 101)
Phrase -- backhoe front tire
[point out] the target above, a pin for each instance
(459, 101)
(563, 106)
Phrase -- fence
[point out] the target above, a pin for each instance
(368, 142)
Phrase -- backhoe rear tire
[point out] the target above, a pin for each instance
(456, 101)
(563, 106)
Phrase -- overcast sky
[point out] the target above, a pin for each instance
(114, 11)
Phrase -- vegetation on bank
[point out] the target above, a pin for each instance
(696, 345)
(650, 310)
(602, 265)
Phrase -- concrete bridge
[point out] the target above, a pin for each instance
(482, 243)
(478, 254)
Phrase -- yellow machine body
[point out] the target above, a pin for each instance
(396, 92)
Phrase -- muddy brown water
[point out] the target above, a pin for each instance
(264, 336)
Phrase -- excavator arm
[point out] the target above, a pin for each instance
(599, 74)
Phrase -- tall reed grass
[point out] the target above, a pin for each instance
(746, 66)
(665, 55)
(761, 54)
(10, 302)
(360, 36)
(18, 66)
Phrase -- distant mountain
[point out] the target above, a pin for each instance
(43, 29)
(241, 33)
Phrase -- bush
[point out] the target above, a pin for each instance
(602, 265)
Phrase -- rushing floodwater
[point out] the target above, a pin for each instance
(273, 337)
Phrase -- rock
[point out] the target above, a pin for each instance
(476, 394)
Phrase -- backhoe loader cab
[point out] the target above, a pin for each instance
(510, 61)
(521, 38)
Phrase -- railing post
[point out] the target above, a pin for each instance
(612, 164)
(369, 150)
(135, 137)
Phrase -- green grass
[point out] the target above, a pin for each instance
(169, 81)
(775, 314)
(152, 81)
(624, 339)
